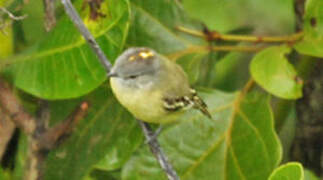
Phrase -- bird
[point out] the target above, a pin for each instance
(153, 88)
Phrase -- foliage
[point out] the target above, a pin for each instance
(241, 141)
(64, 53)
(273, 72)
(287, 171)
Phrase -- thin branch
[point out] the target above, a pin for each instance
(231, 37)
(299, 9)
(16, 18)
(55, 135)
(71, 12)
(153, 144)
(50, 18)
(4, 24)
(199, 49)
(157, 151)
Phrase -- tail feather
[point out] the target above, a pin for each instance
(200, 104)
(203, 108)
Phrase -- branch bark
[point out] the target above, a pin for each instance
(7, 128)
(157, 151)
(50, 18)
(12, 16)
(213, 35)
(14, 109)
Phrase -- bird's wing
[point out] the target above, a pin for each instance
(178, 95)
(185, 102)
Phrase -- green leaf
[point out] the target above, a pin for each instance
(107, 133)
(33, 25)
(308, 175)
(63, 65)
(154, 25)
(272, 71)
(312, 44)
(231, 72)
(224, 16)
(238, 143)
(289, 171)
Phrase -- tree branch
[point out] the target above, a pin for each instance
(55, 135)
(152, 141)
(41, 138)
(11, 16)
(50, 18)
(199, 49)
(14, 109)
(299, 9)
(213, 35)
(157, 151)
(7, 128)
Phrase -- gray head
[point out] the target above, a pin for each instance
(134, 62)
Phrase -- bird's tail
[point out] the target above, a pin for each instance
(201, 105)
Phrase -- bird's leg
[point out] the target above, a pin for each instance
(155, 135)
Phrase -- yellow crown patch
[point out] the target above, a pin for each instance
(146, 54)
(143, 55)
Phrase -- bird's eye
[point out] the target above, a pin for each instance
(133, 77)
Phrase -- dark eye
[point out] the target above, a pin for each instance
(133, 77)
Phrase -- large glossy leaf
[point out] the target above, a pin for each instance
(238, 143)
(312, 44)
(272, 71)
(63, 65)
(224, 16)
(107, 133)
(154, 25)
(289, 171)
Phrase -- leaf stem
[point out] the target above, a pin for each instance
(232, 37)
(248, 86)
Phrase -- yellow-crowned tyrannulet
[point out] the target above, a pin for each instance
(153, 88)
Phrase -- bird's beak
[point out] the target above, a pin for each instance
(112, 74)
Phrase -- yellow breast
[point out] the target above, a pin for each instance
(145, 104)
